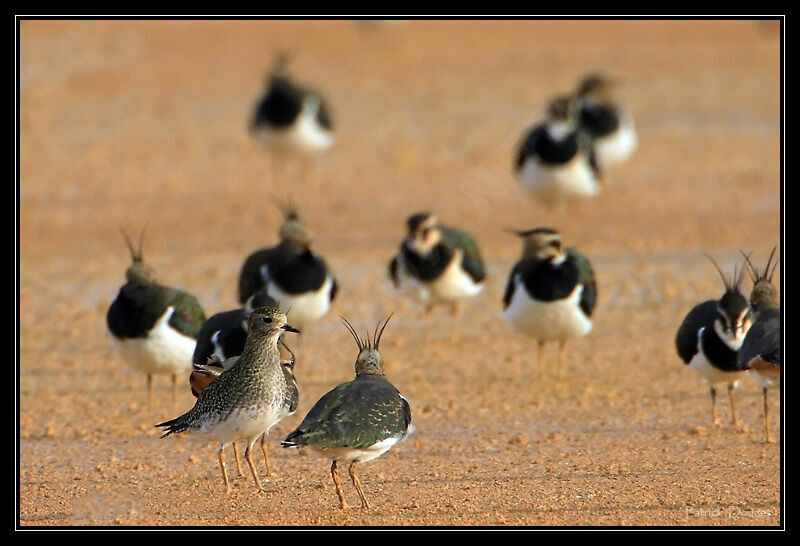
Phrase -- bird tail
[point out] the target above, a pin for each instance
(294, 439)
(174, 426)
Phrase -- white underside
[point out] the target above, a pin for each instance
(304, 135)
(554, 184)
(547, 321)
(246, 424)
(347, 454)
(707, 371)
(617, 147)
(452, 285)
(303, 309)
(767, 378)
(163, 351)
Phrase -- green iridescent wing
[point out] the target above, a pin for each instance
(472, 261)
(586, 278)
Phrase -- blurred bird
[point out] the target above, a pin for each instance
(440, 263)
(359, 420)
(709, 338)
(153, 327)
(293, 275)
(608, 124)
(249, 397)
(220, 341)
(551, 292)
(555, 161)
(761, 348)
(289, 119)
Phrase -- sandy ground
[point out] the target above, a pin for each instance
(128, 123)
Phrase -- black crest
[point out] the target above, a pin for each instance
(367, 343)
(136, 252)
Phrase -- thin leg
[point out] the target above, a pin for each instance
(338, 484)
(264, 450)
(149, 391)
(539, 356)
(713, 405)
(455, 312)
(561, 346)
(357, 483)
(249, 458)
(221, 456)
(174, 392)
(766, 418)
(426, 324)
(734, 420)
(238, 459)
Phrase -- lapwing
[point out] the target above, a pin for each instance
(293, 275)
(291, 121)
(555, 161)
(359, 420)
(221, 340)
(439, 264)
(551, 292)
(154, 328)
(249, 397)
(608, 124)
(709, 338)
(761, 348)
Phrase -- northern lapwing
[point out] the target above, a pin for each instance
(294, 275)
(709, 338)
(221, 340)
(291, 120)
(555, 161)
(359, 420)
(439, 264)
(551, 292)
(154, 328)
(609, 125)
(761, 348)
(249, 397)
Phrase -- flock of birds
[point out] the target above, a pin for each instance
(242, 372)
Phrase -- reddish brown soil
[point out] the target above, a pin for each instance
(125, 123)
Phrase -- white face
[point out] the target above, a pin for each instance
(426, 236)
(733, 330)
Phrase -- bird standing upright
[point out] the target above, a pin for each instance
(608, 124)
(293, 275)
(357, 421)
(440, 263)
(555, 162)
(551, 292)
(249, 397)
(761, 348)
(153, 327)
(709, 338)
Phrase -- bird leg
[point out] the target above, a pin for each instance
(357, 484)
(539, 355)
(713, 405)
(561, 346)
(238, 459)
(221, 456)
(149, 392)
(264, 450)
(734, 420)
(249, 458)
(174, 391)
(338, 484)
(767, 439)
(455, 312)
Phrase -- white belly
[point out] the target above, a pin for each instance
(245, 424)
(163, 351)
(711, 374)
(555, 184)
(767, 378)
(548, 321)
(304, 135)
(617, 147)
(303, 309)
(348, 454)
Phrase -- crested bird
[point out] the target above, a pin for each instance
(249, 397)
(356, 421)
(151, 326)
(551, 292)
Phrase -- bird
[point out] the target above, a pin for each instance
(289, 119)
(761, 348)
(551, 292)
(609, 125)
(220, 341)
(440, 264)
(555, 161)
(152, 327)
(709, 338)
(248, 398)
(359, 420)
(293, 275)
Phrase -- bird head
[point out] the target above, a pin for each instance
(268, 322)
(763, 295)
(541, 243)
(424, 232)
(369, 360)
(138, 270)
(595, 86)
(733, 312)
(292, 230)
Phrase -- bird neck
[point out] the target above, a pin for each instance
(262, 351)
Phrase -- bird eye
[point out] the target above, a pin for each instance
(267, 319)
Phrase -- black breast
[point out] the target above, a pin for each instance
(539, 143)
(546, 281)
(279, 107)
(135, 310)
(427, 267)
(301, 273)
(599, 120)
(718, 353)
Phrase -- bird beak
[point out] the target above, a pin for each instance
(290, 329)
